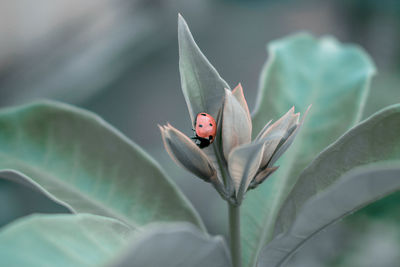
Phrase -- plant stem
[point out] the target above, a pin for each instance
(234, 233)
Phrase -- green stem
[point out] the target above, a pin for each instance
(234, 233)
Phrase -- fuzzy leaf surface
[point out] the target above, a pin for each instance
(62, 240)
(376, 139)
(83, 163)
(202, 86)
(353, 191)
(302, 70)
(173, 245)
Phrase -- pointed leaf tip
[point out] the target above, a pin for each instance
(182, 22)
(202, 86)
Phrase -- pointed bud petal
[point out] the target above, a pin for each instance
(243, 164)
(262, 176)
(282, 124)
(261, 133)
(289, 140)
(237, 92)
(186, 153)
(236, 127)
(277, 133)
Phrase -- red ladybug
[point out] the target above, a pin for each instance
(205, 129)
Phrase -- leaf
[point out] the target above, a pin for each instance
(353, 191)
(203, 89)
(68, 240)
(375, 139)
(301, 70)
(202, 86)
(17, 201)
(174, 245)
(83, 163)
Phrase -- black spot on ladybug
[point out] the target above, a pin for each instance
(203, 114)
(210, 124)
(200, 125)
(210, 137)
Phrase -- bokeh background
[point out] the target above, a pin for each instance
(119, 58)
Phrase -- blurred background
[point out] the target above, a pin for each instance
(119, 59)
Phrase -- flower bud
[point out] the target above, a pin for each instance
(276, 134)
(243, 165)
(262, 176)
(288, 139)
(186, 154)
(236, 122)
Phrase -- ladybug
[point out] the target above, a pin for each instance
(205, 129)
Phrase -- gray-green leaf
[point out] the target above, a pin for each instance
(375, 139)
(353, 191)
(62, 240)
(302, 70)
(202, 86)
(85, 164)
(174, 245)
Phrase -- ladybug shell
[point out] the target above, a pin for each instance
(206, 127)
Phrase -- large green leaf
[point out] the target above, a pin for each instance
(174, 245)
(354, 190)
(61, 240)
(375, 139)
(301, 70)
(202, 86)
(85, 164)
